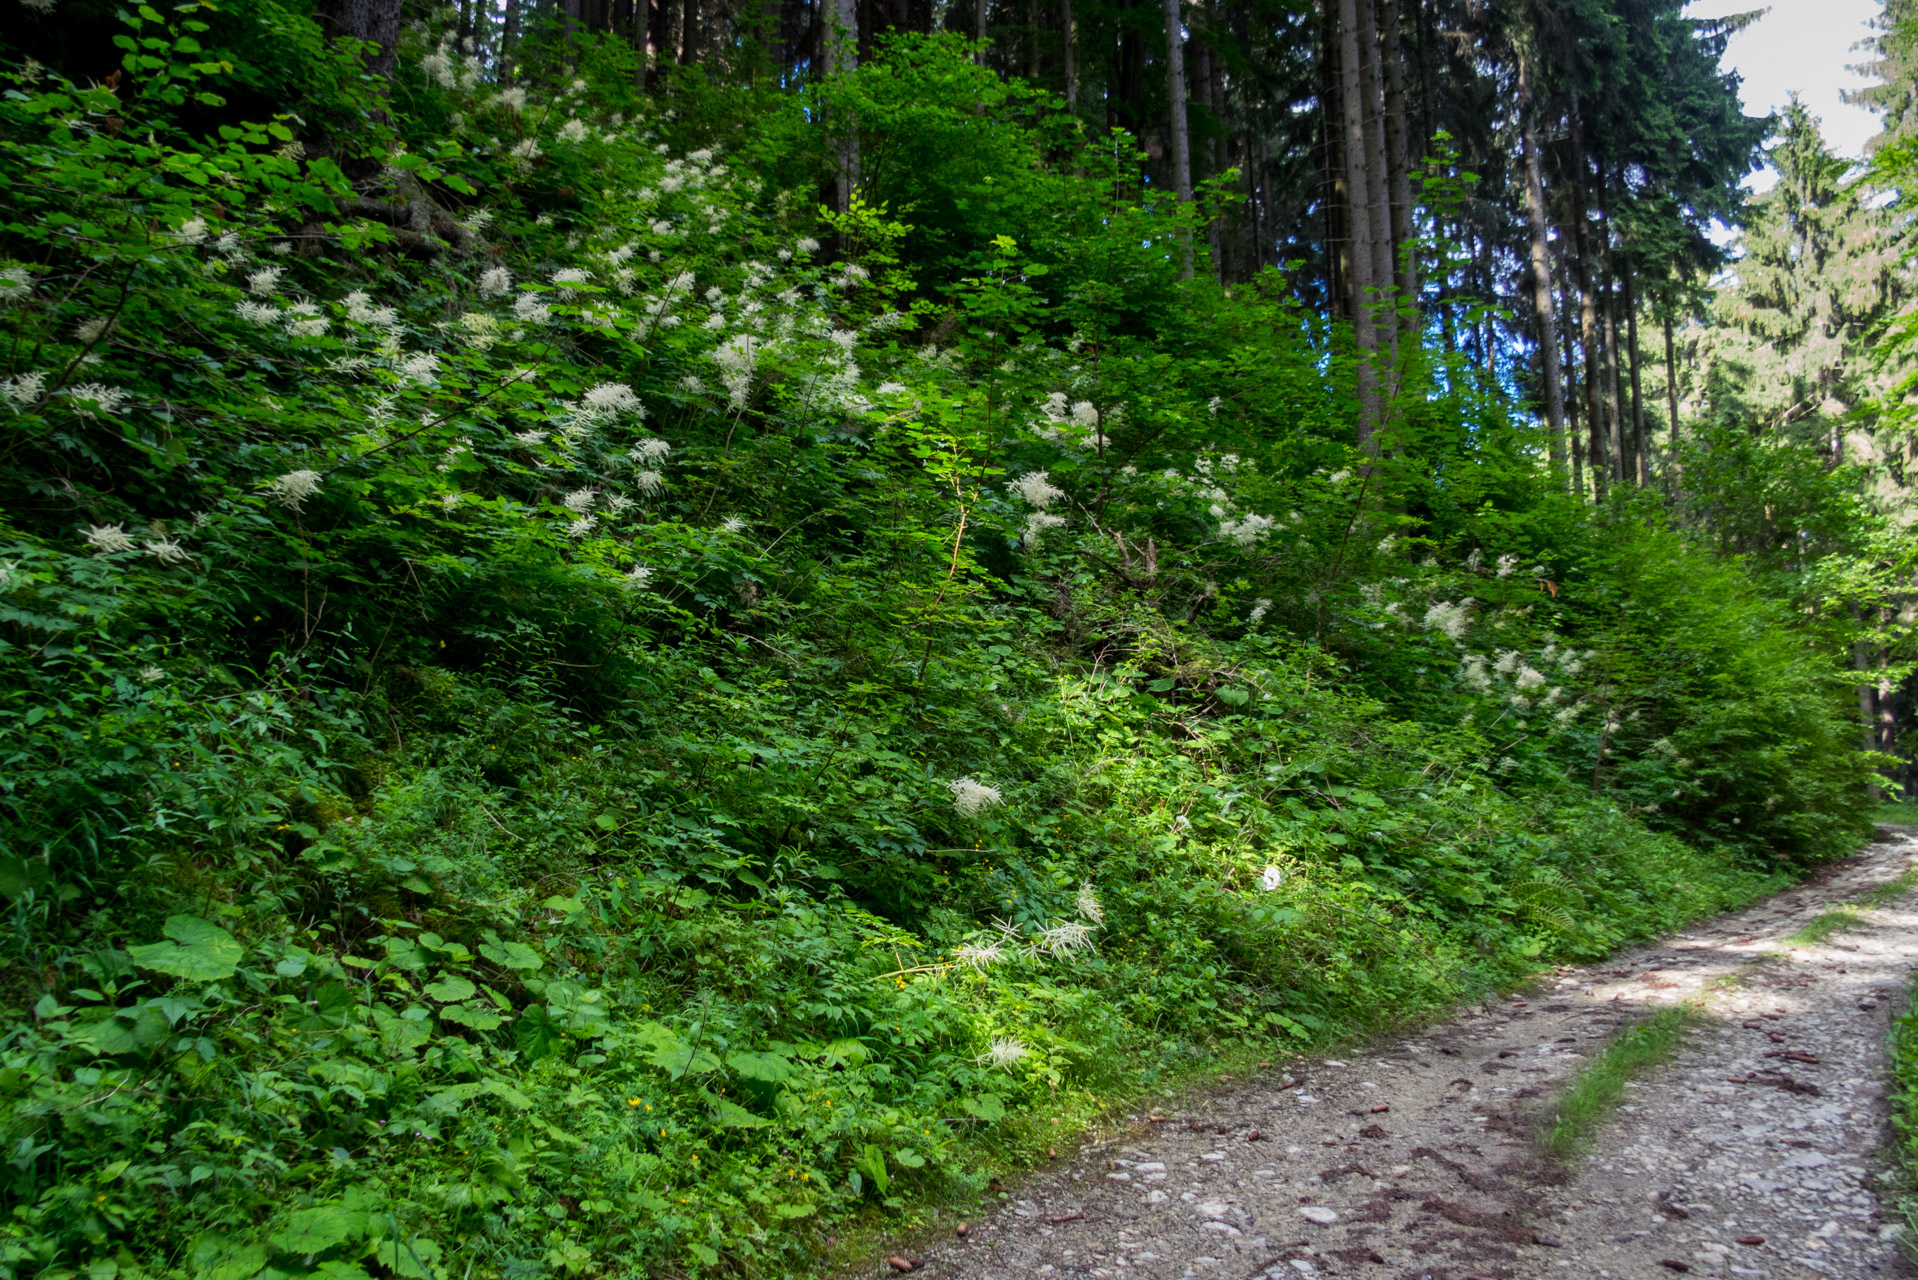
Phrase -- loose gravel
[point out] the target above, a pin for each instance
(1752, 1154)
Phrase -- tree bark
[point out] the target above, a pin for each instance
(1358, 222)
(1630, 301)
(1571, 397)
(1399, 157)
(1622, 465)
(1379, 170)
(979, 28)
(1671, 400)
(689, 34)
(841, 55)
(1181, 135)
(1068, 38)
(1542, 296)
(1595, 455)
(377, 22)
(508, 42)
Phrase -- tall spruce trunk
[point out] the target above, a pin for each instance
(1358, 203)
(1181, 136)
(1378, 169)
(1671, 401)
(1399, 157)
(508, 42)
(1568, 365)
(841, 51)
(1069, 38)
(377, 22)
(1630, 301)
(1595, 454)
(1543, 301)
(1622, 466)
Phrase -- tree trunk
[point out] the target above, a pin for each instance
(1622, 465)
(1335, 200)
(1671, 400)
(1181, 135)
(1068, 37)
(1542, 297)
(1567, 366)
(569, 27)
(1630, 301)
(1595, 455)
(979, 28)
(377, 22)
(508, 42)
(689, 34)
(1399, 158)
(1378, 187)
(1358, 222)
(841, 54)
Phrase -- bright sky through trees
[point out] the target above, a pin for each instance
(1806, 46)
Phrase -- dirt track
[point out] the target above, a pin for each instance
(1415, 1158)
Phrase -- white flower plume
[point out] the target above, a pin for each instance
(1037, 489)
(1004, 1052)
(293, 488)
(109, 538)
(971, 797)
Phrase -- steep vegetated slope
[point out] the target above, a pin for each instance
(567, 711)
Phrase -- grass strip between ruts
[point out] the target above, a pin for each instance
(1568, 1126)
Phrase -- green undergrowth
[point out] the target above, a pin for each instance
(1903, 1046)
(1897, 815)
(1892, 890)
(657, 721)
(1826, 923)
(1574, 1120)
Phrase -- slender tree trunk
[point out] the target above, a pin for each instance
(1671, 401)
(841, 52)
(979, 28)
(1630, 300)
(569, 26)
(1399, 157)
(1622, 465)
(1379, 207)
(1335, 198)
(1542, 296)
(1595, 455)
(466, 23)
(1181, 135)
(1032, 41)
(1357, 205)
(689, 34)
(508, 42)
(1571, 396)
(1069, 37)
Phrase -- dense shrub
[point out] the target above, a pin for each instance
(568, 712)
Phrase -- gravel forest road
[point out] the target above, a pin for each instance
(1751, 1154)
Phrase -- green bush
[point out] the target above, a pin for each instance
(617, 719)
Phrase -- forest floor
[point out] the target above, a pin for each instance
(1754, 1152)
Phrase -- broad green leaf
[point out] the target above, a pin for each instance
(989, 1107)
(513, 955)
(475, 1016)
(199, 951)
(317, 1229)
(767, 1067)
(450, 989)
(733, 1116)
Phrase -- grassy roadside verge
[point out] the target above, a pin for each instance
(1903, 1049)
(1569, 1125)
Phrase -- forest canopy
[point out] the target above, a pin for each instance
(636, 637)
